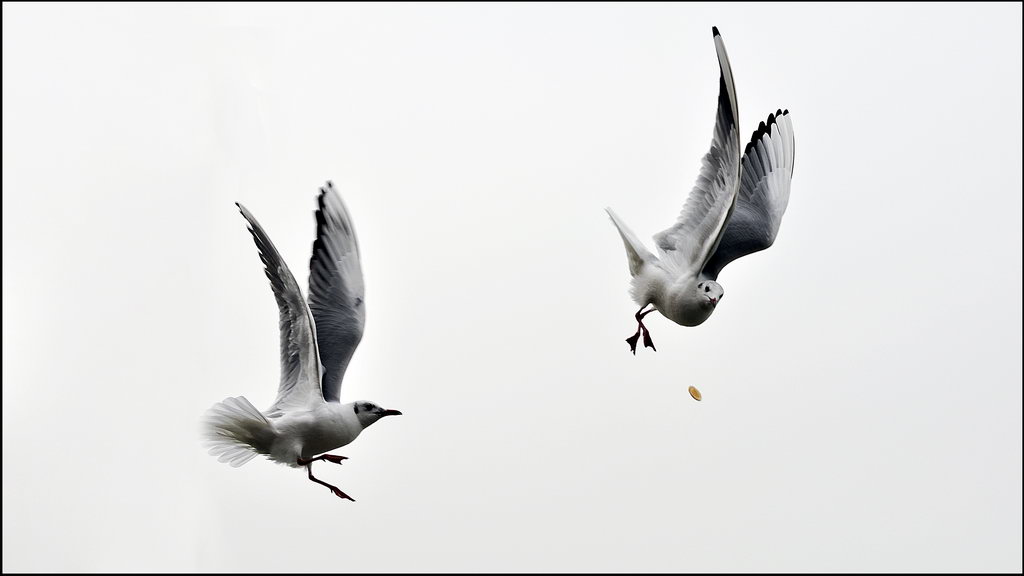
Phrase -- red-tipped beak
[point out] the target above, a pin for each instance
(390, 413)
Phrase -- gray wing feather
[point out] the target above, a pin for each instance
(300, 366)
(763, 195)
(336, 292)
(687, 245)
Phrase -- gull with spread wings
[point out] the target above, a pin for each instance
(734, 209)
(317, 341)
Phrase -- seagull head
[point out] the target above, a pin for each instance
(710, 293)
(368, 412)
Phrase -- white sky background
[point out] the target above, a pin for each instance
(861, 379)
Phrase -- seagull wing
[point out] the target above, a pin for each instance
(687, 245)
(763, 196)
(300, 364)
(336, 293)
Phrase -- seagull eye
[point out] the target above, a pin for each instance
(707, 288)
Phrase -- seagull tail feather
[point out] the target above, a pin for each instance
(635, 251)
(235, 431)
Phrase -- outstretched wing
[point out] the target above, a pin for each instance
(687, 245)
(336, 294)
(300, 366)
(763, 196)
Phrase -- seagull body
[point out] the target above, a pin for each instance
(301, 435)
(734, 209)
(317, 343)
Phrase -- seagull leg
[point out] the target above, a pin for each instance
(327, 457)
(335, 489)
(641, 330)
(648, 343)
(633, 340)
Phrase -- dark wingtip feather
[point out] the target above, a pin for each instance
(785, 112)
(764, 128)
(321, 227)
(714, 32)
(245, 214)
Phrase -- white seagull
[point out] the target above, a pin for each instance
(734, 209)
(317, 342)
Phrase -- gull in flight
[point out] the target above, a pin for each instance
(317, 341)
(734, 209)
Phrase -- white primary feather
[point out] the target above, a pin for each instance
(300, 360)
(337, 297)
(689, 243)
(763, 195)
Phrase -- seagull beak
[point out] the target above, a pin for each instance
(390, 413)
(714, 301)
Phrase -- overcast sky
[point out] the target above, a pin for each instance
(861, 378)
